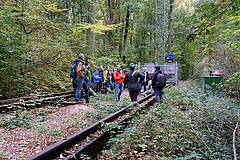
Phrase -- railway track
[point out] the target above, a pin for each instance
(81, 143)
(29, 102)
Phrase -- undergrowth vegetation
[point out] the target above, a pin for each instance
(189, 124)
(106, 104)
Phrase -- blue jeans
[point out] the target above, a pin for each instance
(86, 86)
(118, 86)
(79, 89)
(158, 93)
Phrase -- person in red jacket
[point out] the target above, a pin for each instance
(118, 77)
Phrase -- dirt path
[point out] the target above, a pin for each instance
(22, 143)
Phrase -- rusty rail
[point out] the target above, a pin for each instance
(55, 150)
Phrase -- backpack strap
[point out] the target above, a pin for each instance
(133, 73)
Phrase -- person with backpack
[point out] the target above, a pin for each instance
(80, 75)
(100, 73)
(158, 83)
(118, 77)
(133, 84)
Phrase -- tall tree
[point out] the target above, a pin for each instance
(126, 27)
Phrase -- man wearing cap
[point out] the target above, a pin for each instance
(133, 83)
(157, 90)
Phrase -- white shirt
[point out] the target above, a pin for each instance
(145, 77)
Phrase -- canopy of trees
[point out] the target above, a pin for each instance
(41, 38)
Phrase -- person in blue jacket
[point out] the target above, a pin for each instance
(96, 81)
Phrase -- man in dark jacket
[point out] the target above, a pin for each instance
(100, 73)
(157, 90)
(133, 83)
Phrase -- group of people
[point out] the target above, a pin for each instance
(136, 80)
(115, 80)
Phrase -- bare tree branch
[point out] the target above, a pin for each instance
(24, 28)
(196, 132)
(234, 148)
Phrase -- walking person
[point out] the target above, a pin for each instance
(118, 77)
(158, 83)
(133, 83)
(144, 83)
(80, 76)
(100, 73)
(107, 76)
(87, 82)
(96, 81)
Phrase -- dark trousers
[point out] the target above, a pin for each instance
(133, 94)
(86, 87)
(100, 86)
(96, 87)
(144, 84)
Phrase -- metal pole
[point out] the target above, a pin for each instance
(160, 31)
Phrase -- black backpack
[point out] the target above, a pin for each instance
(161, 80)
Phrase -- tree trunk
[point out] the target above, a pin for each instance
(150, 39)
(120, 45)
(126, 29)
(110, 18)
(170, 26)
(91, 35)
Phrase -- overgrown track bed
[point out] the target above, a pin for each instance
(81, 137)
(11, 104)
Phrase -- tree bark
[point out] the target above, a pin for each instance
(110, 18)
(91, 35)
(120, 45)
(126, 29)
